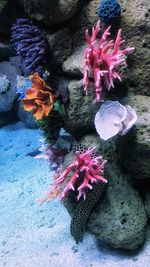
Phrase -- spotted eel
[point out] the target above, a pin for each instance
(84, 207)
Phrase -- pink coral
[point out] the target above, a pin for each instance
(86, 171)
(103, 57)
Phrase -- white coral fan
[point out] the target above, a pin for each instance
(4, 84)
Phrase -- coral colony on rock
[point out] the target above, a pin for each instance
(103, 57)
(29, 43)
(109, 11)
(85, 176)
(114, 118)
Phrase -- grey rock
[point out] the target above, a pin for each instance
(8, 97)
(147, 205)
(74, 64)
(2, 4)
(60, 46)
(26, 117)
(50, 11)
(135, 147)
(6, 51)
(80, 111)
(119, 219)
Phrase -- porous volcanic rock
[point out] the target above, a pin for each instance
(7, 98)
(135, 147)
(60, 46)
(135, 25)
(119, 218)
(80, 111)
(26, 117)
(147, 205)
(74, 64)
(50, 11)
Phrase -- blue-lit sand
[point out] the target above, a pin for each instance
(33, 236)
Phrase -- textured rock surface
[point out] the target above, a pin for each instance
(26, 117)
(119, 219)
(136, 146)
(6, 51)
(73, 65)
(80, 111)
(135, 26)
(135, 23)
(7, 99)
(60, 46)
(50, 11)
(147, 205)
(2, 4)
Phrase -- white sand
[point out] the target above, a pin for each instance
(33, 236)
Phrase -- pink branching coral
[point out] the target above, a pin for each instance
(86, 171)
(103, 57)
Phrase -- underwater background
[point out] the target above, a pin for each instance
(74, 133)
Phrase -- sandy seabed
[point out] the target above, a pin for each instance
(39, 236)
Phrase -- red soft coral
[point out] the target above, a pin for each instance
(86, 171)
(103, 57)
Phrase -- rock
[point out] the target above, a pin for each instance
(50, 11)
(80, 111)
(7, 98)
(147, 205)
(2, 4)
(119, 219)
(135, 25)
(135, 148)
(26, 117)
(6, 51)
(74, 64)
(60, 46)
(7, 118)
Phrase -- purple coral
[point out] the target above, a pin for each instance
(54, 154)
(30, 45)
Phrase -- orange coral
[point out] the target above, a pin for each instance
(39, 98)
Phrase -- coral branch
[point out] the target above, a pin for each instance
(86, 171)
(103, 57)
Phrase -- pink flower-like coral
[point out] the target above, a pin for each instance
(103, 57)
(86, 171)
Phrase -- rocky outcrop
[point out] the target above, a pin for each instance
(8, 96)
(135, 27)
(147, 205)
(50, 11)
(26, 117)
(135, 148)
(60, 46)
(119, 218)
(80, 111)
